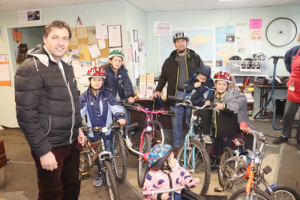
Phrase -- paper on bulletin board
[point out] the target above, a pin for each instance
(256, 34)
(101, 44)
(115, 36)
(94, 51)
(92, 35)
(76, 66)
(81, 32)
(73, 39)
(255, 23)
(4, 71)
(101, 30)
(86, 53)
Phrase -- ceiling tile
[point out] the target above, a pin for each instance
(165, 1)
(4, 2)
(190, 5)
(260, 3)
(22, 6)
(149, 8)
(51, 3)
(287, 3)
(170, 6)
(140, 2)
(229, 4)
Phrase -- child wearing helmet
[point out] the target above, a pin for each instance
(225, 121)
(117, 80)
(98, 107)
(202, 90)
(163, 167)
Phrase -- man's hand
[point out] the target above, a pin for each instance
(197, 84)
(155, 95)
(48, 161)
(207, 102)
(122, 122)
(219, 106)
(131, 100)
(165, 196)
(81, 137)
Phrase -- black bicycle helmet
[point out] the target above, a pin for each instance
(180, 35)
(235, 57)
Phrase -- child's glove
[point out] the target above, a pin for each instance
(122, 122)
(165, 196)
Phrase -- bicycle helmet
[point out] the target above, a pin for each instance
(96, 72)
(180, 35)
(158, 155)
(260, 56)
(116, 53)
(223, 76)
(235, 57)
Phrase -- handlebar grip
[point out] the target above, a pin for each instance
(157, 123)
(169, 113)
(213, 104)
(129, 127)
(176, 98)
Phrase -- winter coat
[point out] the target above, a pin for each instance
(203, 93)
(242, 102)
(225, 121)
(99, 110)
(159, 180)
(289, 57)
(118, 83)
(294, 81)
(170, 72)
(47, 103)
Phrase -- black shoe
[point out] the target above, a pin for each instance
(298, 145)
(280, 140)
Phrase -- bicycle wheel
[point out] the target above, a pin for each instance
(285, 193)
(84, 166)
(142, 167)
(111, 182)
(257, 194)
(281, 32)
(225, 168)
(119, 154)
(202, 166)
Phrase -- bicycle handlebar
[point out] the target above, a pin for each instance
(127, 139)
(176, 98)
(193, 183)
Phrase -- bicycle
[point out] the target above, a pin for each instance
(147, 136)
(192, 154)
(89, 155)
(252, 168)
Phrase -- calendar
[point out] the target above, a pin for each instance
(4, 71)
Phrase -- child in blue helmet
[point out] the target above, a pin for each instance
(202, 89)
(162, 165)
(98, 106)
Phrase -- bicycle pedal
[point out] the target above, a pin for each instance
(218, 189)
(85, 175)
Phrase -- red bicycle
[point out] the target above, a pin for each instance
(151, 131)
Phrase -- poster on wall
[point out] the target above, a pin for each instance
(1, 42)
(255, 23)
(162, 28)
(4, 71)
(30, 16)
(256, 34)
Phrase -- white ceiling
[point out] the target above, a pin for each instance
(152, 5)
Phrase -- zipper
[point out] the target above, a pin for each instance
(72, 104)
(186, 67)
(176, 81)
(49, 126)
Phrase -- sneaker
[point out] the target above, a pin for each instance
(280, 140)
(207, 139)
(98, 181)
(7, 160)
(129, 142)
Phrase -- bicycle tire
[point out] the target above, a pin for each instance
(84, 165)
(226, 154)
(142, 167)
(111, 182)
(284, 192)
(120, 165)
(205, 174)
(240, 194)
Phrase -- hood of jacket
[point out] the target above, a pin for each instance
(40, 52)
(204, 69)
(108, 66)
(190, 54)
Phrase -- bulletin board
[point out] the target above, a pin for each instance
(85, 36)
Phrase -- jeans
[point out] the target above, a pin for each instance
(177, 120)
(62, 183)
(176, 196)
(108, 147)
(290, 111)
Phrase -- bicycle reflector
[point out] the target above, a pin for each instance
(145, 156)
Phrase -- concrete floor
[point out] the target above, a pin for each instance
(18, 179)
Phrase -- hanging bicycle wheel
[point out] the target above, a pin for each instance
(281, 32)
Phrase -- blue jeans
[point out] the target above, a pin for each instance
(108, 147)
(177, 120)
(176, 196)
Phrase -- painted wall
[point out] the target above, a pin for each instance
(221, 18)
(115, 12)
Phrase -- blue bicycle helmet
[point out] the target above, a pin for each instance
(158, 155)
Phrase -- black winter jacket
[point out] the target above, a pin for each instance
(48, 112)
(119, 82)
(203, 93)
(170, 72)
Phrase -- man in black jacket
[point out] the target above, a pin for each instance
(48, 112)
(179, 67)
